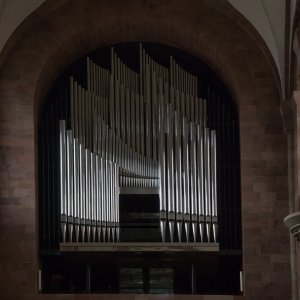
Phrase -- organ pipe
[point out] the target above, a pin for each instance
(63, 181)
(137, 130)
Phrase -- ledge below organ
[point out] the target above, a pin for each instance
(140, 247)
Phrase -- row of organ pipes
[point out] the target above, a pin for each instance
(146, 130)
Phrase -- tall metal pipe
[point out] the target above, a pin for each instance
(98, 198)
(207, 183)
(88, 193)
(113, 208)
(117, 107)
(194, 210)
(76, 187)
(178, 174)
(82, 191)
(108, 195)
(133, 120)
(70, 178)
(138, 125)
(117, 175)
(93, 195)
(214, 184)
(200, 166)
(148, 112)
(63, 178)
(170, 155)
(154, 114)
(186, 175)
(103, 197)
(142, 125)
(122, 107)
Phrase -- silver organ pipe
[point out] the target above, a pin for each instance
(69, 175)
(76, 188)
(200, 168)
(162, 185)
(194, 212)
(87, 193)
(103, 200)
(98, 207)
(145, 130)
(186, 179)
(63, 179)
(214, 183)
(170, 170)
(93, 196)
(82, 189)
(178, 176)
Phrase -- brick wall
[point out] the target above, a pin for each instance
(56, 37)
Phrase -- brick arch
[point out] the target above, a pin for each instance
(194, 27)
(59, 36)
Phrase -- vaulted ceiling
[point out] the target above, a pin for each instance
(268, 17)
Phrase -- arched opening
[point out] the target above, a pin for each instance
(58, 35)
(139, 147)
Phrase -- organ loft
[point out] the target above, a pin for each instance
(142, 161)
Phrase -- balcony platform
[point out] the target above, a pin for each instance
(139, 247)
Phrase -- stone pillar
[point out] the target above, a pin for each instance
(294, 205)
(291, 117)
(292, 197)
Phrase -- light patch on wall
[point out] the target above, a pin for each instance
(268, 18)
(12, 14)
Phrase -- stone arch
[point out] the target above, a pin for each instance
(59, 36)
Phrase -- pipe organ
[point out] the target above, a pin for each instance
(138, 153)
(145, 129)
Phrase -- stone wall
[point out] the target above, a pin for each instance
(58, 34)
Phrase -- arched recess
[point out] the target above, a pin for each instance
(75, 28)
(157, 114)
